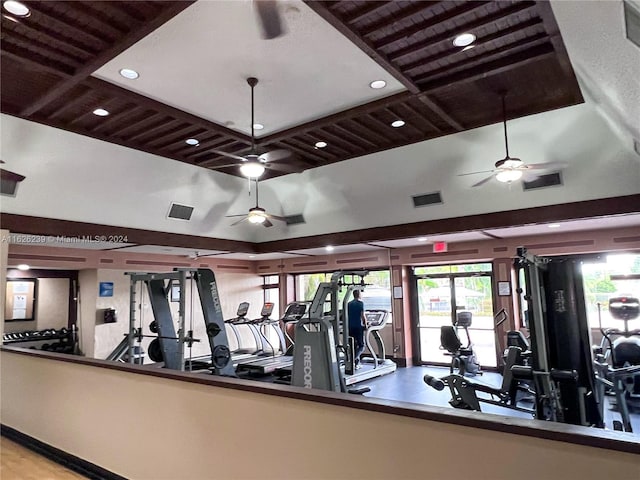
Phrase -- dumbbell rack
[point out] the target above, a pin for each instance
(38, 336)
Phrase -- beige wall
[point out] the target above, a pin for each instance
(88, 283)
(233, 288)
(152, 428)
(52, 309)
(4, 253)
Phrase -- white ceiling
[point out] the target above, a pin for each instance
(619, 221)
(606, 63)
(421, 241)
(199, 62)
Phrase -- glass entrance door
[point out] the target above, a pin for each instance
(439, 298)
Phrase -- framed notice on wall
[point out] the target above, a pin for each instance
(504, 289)
(20, 300)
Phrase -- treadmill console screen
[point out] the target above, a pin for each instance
(296, 310)
(267, 308)
(375, 318)
(243, 308)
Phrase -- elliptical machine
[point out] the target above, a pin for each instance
(617, 362)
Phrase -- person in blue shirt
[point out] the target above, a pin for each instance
(357, 325)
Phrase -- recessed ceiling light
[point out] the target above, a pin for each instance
(128, 73)
(321, 144)
(377, 84)
(252, 170)
(23, 266)
(192, 141)
(16, 8)
(101, 112)
(329, 248)
(258, 126)
(397, 123)
(464, 39)
(468, 47)
(422, 239)
(252, 256)
(554, 225)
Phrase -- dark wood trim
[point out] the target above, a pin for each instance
(552, 29)
(365, 45)
(591, 437)
(96, 62)
(545, 214)
(71, 462)
(55, 227)
(337, 117)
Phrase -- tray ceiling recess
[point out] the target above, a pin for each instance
(434, 87)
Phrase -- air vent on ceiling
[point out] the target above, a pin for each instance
(294, 219)
(632, 22)
(549, 180)
(427, 199)
(9, 182)
(180, 212)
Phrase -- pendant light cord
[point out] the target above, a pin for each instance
(504, 121)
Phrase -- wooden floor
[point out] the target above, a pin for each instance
(19, 463)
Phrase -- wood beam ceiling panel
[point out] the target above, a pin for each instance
(362, 43)
(113, 49)
(409, 39)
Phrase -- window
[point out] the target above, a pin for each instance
(376, 295)
(443, 269)
(616, 275)
(271, 289)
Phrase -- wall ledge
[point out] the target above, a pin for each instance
(598, 438)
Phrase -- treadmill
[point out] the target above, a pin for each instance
(240, 321)
(284, 360)
(376, 364)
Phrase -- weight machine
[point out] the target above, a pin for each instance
(561, 369)
(168, 345)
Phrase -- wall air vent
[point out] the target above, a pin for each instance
(9, 182)
(632, 21)
(549, 180)
(426, 199)
(294, 219)
(180, 212)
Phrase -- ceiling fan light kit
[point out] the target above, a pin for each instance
(510, 169)
(252, 169)
(507, 176)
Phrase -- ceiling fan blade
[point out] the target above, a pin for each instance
(230, 155)
(284, 168)
(547, 165)
(276, 155)
(482, 182)
(474, 173)
(269, 18)
(235, 216)
(240, 221)
(216, 167)
(267, 223)
(278, 217)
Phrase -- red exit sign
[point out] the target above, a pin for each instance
(439, 247)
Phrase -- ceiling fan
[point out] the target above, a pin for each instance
(510, 169)
(269, 18)
(253, 164)
(257, 215)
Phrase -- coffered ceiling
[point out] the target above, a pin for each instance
(89, 172)
(61, 63)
